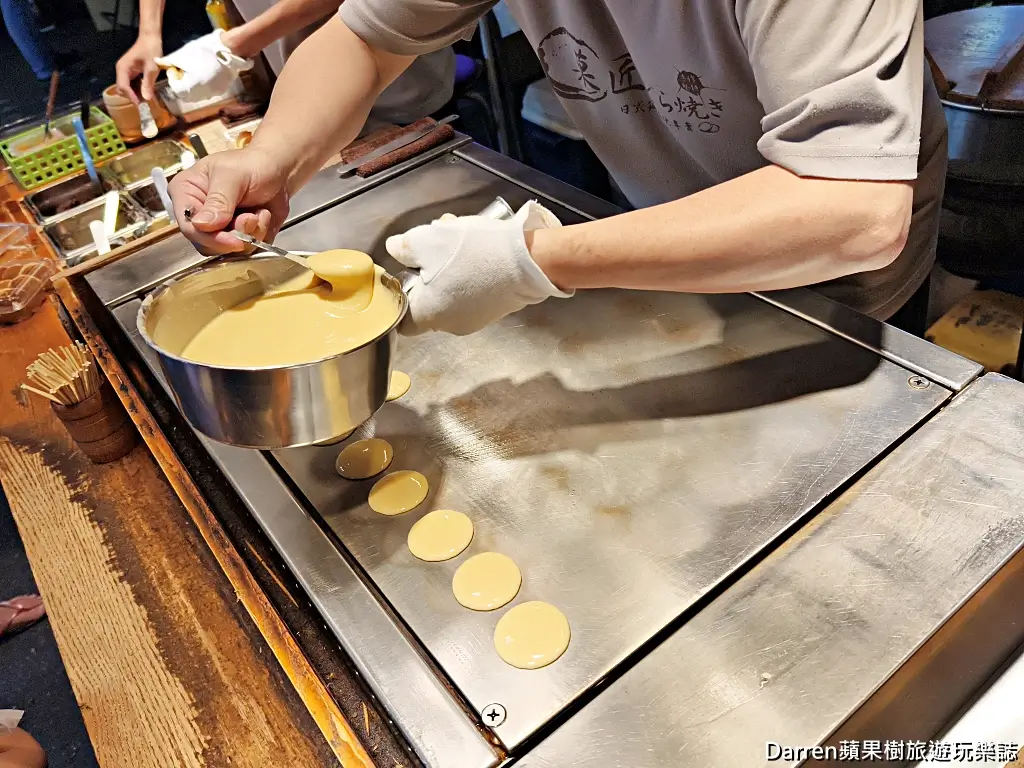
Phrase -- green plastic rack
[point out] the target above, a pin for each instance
(61, 158)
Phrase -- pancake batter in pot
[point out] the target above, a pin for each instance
(311, 317)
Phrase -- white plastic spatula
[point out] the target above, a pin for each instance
(159, 178)
(149, 127)
(111, 203)
(99, 236)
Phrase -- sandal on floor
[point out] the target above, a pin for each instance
(20, 612)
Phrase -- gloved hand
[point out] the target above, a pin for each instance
(473, 270)
(203, 68)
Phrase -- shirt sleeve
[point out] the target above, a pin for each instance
(413, 27)
(840, 83)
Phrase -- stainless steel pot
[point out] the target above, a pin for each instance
(985, 144)
(271, 407)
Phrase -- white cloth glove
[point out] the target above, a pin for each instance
(473, 270)
(202, 69)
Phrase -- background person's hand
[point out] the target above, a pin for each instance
(138, 60)
(227, 191)
(473, 270)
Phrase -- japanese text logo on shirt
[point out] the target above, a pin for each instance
(578, 73)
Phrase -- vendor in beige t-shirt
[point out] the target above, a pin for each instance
(210, 63)
(766, 144)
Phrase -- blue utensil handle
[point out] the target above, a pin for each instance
(83, 144)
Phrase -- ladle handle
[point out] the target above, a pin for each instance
(498, 209)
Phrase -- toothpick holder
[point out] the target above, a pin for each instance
(99, 425)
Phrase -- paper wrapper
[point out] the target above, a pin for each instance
(9, 719)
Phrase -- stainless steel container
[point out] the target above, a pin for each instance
(133, 169)
(985, 144)
(315, 403)
(65, 197)
(149, 200)
(71, 236)
(277, 407)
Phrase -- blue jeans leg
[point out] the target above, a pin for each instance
(22, 26)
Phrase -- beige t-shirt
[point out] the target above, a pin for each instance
(676, 96)
(421, 90)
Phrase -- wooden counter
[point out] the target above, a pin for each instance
(165, 664)
(164, 658)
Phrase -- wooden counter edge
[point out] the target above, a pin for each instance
(117, 253)
(311, 690)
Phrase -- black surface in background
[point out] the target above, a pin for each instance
(22, 96)
(32, 675)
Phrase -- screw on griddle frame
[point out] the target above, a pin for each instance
(918, 382)
(493, 715)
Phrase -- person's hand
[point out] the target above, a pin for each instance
(140, 59)
(473, 270)
(237, 189)
(19, 750)
(203, 68)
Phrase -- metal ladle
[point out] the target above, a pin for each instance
(250, 240)
(497, 209)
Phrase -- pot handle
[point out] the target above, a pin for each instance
(498, 209)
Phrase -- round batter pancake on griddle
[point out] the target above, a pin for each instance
(440, 535)
(399, 385)
(398, 492)
(487, 581)
(532, 635)
(364, 458)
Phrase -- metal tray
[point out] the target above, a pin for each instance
(66, 197)
(71, 236)
(132, 170)
(658, 443)
(629, 450)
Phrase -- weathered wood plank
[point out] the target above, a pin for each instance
(314, 694)
(168, 668)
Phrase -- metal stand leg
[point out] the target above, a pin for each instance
(1018, 369)
(508, 134)
(494, 86)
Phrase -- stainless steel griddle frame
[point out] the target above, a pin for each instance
(639, 717)
(880, 620)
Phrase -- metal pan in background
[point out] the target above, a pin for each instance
(985, 144)
(72, 239)
(66, 197)
(148, 199)
(132, 170)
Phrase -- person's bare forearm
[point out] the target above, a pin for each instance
(766, 230)
(283, 18)
(151, 15)
(322, 100)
